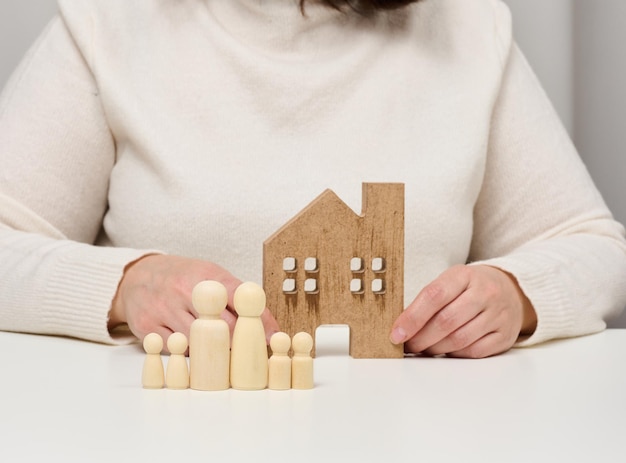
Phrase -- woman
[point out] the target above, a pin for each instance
(146, 146)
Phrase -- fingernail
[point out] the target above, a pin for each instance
(398, 335)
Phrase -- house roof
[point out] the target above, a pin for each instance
(325, 212)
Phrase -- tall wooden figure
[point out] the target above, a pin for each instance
(209, 339)
(249, 359)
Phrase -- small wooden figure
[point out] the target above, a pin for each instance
(177, 374)
(280, 363)
(331, 266)
(153, 375)
(209, 339)
(249, 359)
(302, 362)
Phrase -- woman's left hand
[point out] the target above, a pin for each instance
(468, 311)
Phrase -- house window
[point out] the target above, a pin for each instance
(289, 285)
(356, 286)
(289, 264)
(290, 267)
(378, 264)
(356, 265)
(310, 265)
(310, 286)
(378, 286)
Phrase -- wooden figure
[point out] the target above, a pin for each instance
(280, 362)
(177, 374)
(153, 374)
(328, 265)
(249, 359)
(302, 362)
(209, 339)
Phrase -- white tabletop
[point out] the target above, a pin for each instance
(74, 401)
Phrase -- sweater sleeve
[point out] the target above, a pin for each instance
(56, 154)
(540, 217)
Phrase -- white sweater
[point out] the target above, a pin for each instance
(199, 127)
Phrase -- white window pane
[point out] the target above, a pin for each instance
(378, 286)
(310, 285)
(356, 286)
(310, 264)
(356, 264)
(289, 264)
(289, 285)
(378, 264)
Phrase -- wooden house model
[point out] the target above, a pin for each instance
(329, 265)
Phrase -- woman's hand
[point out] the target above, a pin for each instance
(468, 311)
(155, 296)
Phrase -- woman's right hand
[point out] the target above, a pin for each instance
(154, 295)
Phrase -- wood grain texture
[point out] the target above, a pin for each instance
(328, 231)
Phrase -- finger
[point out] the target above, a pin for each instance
(430, 300)
(490, 344)
(231, 284)
(445, 322)
(229, 318)
(462, 337)
(180, 321)
(270, 324)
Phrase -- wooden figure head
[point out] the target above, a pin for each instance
(209, 298)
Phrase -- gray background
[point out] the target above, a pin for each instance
(575, 46)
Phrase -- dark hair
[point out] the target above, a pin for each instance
(364, 7)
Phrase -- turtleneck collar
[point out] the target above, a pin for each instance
(281, 27)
